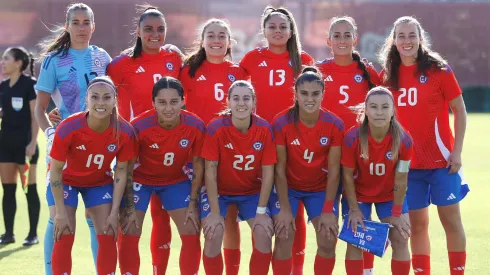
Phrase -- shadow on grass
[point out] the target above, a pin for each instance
(7, 250)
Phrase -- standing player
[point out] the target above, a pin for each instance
(347, 81)
(376, 158)
(307, 138)
(135, 72)
(83, 148)
(18, 140)
(68, 66)
(166, 137)
(424, 88)
(272, 71)
(206, 77)
(239, 150)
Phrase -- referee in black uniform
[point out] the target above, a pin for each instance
(18, 140)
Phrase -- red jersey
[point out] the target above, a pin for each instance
(163, 154)
(240, 156)
(135, 78)
(345, 86)
(307, 148)
(206, 92)
(88, 154)
(422, 104)
(375, 177)
(273, 79)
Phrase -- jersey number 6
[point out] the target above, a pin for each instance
(240, 159)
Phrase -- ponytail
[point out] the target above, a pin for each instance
(21, 54)
(31, 64)
(361, 64)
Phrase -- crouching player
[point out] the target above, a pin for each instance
(167, 135)
(238, 150)
(378, 152)
(83, 148)
(307, 138)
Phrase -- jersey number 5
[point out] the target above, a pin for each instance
(343, 92)
(97, 159)
(239, 160)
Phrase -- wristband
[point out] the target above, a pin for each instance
(327, 207)
(261, 210)
(396, 211)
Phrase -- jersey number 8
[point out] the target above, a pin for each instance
(97, 159)
(169, 159)
(240, 159)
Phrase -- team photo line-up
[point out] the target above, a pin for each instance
(207, 143)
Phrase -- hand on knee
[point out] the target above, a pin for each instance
(213, 241)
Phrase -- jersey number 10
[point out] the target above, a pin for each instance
(377, 169)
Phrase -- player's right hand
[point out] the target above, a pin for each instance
(282, 221)
(402, 224)
(61, 223)
(355, 217)
(328, 225)
(112, 224)
(210, 223)
(54, 116)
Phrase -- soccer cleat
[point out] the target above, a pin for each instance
(7, 239)
(30, 241)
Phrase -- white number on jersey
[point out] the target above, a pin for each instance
(379, 169)
(409, 96)
(156, 77)
(281, 74)
(97, 159)
(239, 160)
(343, 92)
(169, 159)
(219, 94)
(308, 157)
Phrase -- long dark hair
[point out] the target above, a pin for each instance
(62, 43)
(293, 44)
(197, 54)
(308, 74)
(390, 57)
(145, 10)
(20, 53)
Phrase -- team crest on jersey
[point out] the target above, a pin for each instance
(257, 146)
(205, 207)
(97, 62)
(323, 141)
(423, 79)
(369, 238)
(170, 66)
(278, 205)
(389, 155)
(111, 148)
(136, 198)
(184, 143)
(66, 194)
(358, 78)
(231, 78)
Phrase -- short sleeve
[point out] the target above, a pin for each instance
(198, 143)
(246, 62)
(306, 59)
(60, 147)
(47, 76)
(210, 149)
(270, 156)
(338, 135)
(114, 70)
(375, 77)
(349, 152)
(406, 148)
(32, 92)
(449, 84)
(279, 135)
(127, 150)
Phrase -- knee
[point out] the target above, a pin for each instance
(212, 246)
(398, 243)
(262, 241)
(326, 246)
(419, 226)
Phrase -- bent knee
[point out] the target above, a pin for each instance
(326, 246)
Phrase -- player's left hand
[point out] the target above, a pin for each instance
(454, 161)
(328, 225)
(192, 214)
(402, 224)
(266, 222)
(111, 224)
(282, 221)
(31, 149)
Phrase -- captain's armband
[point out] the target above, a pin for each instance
(403, 166)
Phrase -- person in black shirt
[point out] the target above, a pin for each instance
(18, 140)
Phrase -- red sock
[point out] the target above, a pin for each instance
(61, 257)
(368, 259)
(213, 266)
(421, 264)
(190, 254)
(260, 262)
(107, 255)
(457, 262)
(282, 267)
(232, 261)
(161, 236)
(129, 255)
(354, 267)
(299, 243)
(400, 267)
(324, 265)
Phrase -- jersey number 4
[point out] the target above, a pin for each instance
(239, 159)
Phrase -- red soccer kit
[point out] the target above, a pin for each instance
(135, 78)
(273, 79)
(163, 154)
(88, 154)
(375, 177)
(240, 156)
(422, 104)
(307, 148)
(345, 86)
(206, 92)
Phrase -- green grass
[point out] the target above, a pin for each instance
(14, 259)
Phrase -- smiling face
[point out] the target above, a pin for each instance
(151, 30)
(168, 104)
(407, 39)
(342, 38)
(309, 96)
(379, 110)
(101, 100)
(80, 26)
(216, 40)
(241, 102)
(277, 29)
